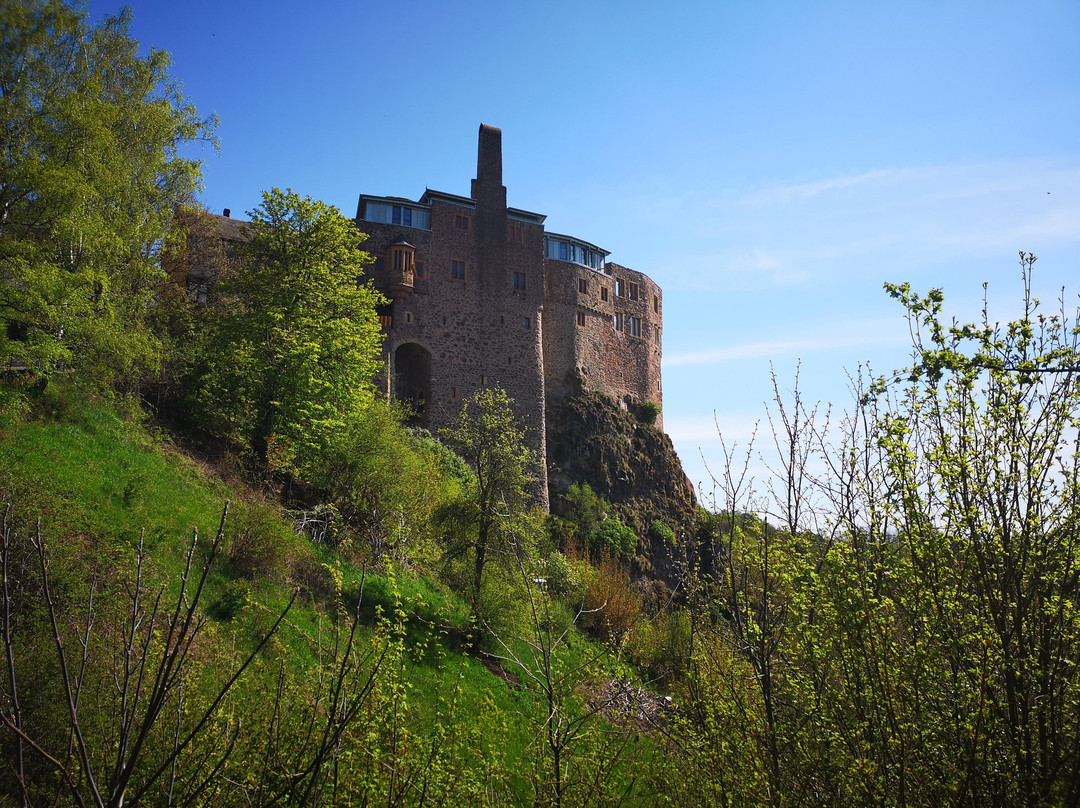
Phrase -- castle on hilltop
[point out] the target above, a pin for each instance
(482, 295)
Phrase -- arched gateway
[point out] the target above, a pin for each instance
(412, 379)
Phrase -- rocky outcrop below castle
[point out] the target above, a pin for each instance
(592, 439)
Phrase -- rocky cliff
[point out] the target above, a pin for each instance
(633, 465)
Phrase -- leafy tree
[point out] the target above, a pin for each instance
(89, 176)
(490, 438)
(291, 349)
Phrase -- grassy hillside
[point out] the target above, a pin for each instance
(431, 715)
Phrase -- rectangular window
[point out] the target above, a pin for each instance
(603, 293)
(656, 304)
(581, 318)
(461, 222)
(408, 317)
(457, 270)
(635, 326)
(379, 267)
(633, 291)
(563, 247)
(418, 267)
(656, 333)
(385, 320)
(618, 321)
(519, 281)
(620, 288)
(528, 322)
(516, 233)
(583, 286)
(397, 214)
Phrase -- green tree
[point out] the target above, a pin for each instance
(490, 438)
(89, 176)
(291, 349)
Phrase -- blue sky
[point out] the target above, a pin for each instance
(769, 164)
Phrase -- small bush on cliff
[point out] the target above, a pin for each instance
(649, 412)
(613, 536)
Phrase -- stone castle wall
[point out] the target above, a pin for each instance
(482, 306)
(602, 331)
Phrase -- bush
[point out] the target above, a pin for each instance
(612, 601)
(260, 543)
(613, 536)
(659, 532)
(649, 412)
(662, 646)
(562, 578)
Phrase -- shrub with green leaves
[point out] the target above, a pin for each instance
(613, 536)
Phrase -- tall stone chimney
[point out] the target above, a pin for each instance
(488, 189)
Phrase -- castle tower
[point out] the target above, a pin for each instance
(472, 316)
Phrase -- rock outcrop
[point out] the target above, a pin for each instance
(592, 439)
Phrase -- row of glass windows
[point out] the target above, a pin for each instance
(568, 251)
(397, 214)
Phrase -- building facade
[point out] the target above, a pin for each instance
(482, 295)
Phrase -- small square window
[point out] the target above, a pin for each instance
(581, 318)
(583, 286)
(603, 293)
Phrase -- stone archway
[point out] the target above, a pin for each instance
(412, 380)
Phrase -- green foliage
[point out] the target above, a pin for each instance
(649, 412)
(561, 576)
(383, 484)
(487, 518)
(613, 536)
(261, 545)
(660, 532)
(89, 176)
(291, 347)
(585, 510)
(917, 647)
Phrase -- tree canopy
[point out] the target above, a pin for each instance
(291, 348)
(90, 173)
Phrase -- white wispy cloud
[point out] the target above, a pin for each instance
(868, 334)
